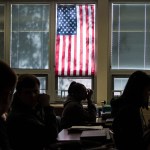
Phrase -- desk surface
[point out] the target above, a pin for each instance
(72, 141)
(64, 136)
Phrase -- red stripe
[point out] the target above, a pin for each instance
(75, 55)
(57, 54)
(81, 40)
(93, 43)
(87, 39)
(69, 56)
(63, 55)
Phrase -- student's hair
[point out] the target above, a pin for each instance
(26, 81)
(137, 83)
(76, 90)
(70, 89)
(8, 77)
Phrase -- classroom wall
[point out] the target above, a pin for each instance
(103, 87)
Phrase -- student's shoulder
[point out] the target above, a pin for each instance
(73, 105)
(115, 101)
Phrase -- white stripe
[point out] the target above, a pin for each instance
(66, 55)
(90, 41)
(93, 41)
(84, 40)
(60, 56)
(72, 56)
(78, 41)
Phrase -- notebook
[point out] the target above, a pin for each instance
(97, 135)
(75, 129)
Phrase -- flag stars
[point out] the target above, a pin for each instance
(66, 20)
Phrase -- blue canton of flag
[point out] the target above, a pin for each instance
(66, 20)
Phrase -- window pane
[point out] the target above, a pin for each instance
(29, 36)
(130, 36)
(63, 85)
(131, 53)
(1, 32)
(43, 86)
(147, 57)
(119, 85)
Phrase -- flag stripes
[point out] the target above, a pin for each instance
(75, 42)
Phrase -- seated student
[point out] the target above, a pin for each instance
(31, 122)
(146, 140)
(8, 80)
(73, 112)
(128, 124)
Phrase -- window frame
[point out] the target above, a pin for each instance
(122, 73)
(51, 81)
(76, 77)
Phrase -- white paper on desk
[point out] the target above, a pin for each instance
(87, 127)
(93, 135)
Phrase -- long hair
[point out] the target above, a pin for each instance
(135, 87)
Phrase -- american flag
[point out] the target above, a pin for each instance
(75, 41)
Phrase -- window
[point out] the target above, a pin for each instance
(119, 85)
(130, 36)
(29, 36)
(29, 41)
(43, 85)
(37, 38)
(75, 45)
(64, 82)
(130, 47)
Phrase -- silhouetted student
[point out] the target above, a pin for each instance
(128, 125)
(8, 80)
(146, 139)
(73, 112)
(31, 122)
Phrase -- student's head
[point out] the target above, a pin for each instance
(70, 87)
(77, 90)
(27, 89)
(8, 79)
(137, 89)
